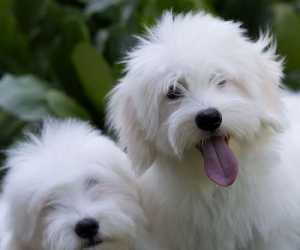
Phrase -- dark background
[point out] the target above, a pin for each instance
(60, 58)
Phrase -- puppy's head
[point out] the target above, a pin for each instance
(71, 189)
(195, 81)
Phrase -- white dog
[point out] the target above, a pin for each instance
(69, 189)
(200, 104)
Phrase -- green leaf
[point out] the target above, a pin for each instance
(63, 106)
(14, 52)
(31, 99)
(28, 12)
(63, 28)
(203, 5)
(74, 29)
(10, 126)
(5, 5)
(97, 6)
(94, 73)
(287, 27)
(10, 129)
(292, 79)
(24, 97)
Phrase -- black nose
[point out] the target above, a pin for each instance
(209, 119)
(87, 228)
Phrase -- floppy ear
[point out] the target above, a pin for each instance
(271, 66)
(23, 215)
(123, 118)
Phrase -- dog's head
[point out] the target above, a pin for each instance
(71, 189)
(196, 81)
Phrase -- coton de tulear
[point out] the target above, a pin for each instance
(71, 188)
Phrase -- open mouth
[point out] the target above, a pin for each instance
(220, 163)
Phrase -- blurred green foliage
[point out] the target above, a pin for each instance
(61, 57)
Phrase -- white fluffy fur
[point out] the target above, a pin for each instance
(67, 173)
(261, 210)
(2, 222)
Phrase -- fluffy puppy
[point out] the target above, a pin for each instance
(199, 110)
(71, 188)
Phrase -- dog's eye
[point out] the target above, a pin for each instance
(221, 83)
(91, 182)
(174, 93)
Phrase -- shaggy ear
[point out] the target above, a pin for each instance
(271, 66)
(23, 215)
(123, 118)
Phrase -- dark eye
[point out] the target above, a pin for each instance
(221, 83)
(174, 93)
(91, 182)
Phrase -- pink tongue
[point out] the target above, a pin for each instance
(220, 163)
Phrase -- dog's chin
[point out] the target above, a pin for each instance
(106, 244)
(92, 243)
(95, 243)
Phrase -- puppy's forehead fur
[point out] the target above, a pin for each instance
(199, 45)
(65, 152)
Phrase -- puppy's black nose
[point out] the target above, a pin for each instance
(87, 228)
(209, 119)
